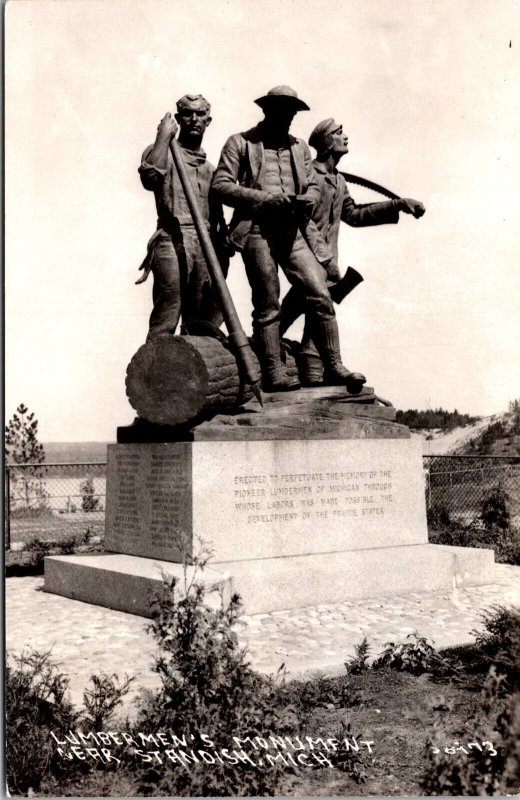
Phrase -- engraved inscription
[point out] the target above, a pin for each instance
(125, 523)
(151, 494)
(284, 497)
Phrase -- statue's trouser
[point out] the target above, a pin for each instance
(268, 246)
(181, 283)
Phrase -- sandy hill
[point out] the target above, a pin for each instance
(496, 435)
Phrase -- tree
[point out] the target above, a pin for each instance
(21, 438)
(22, 447)
(89, 501)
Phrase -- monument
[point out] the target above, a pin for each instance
(305, 494)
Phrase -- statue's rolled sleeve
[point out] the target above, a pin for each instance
(229, 170)
(368, 213)
(151, 175)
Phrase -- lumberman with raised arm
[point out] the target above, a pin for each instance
(266, 175)
(181, 283)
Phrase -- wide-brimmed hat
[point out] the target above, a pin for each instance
(282, 93)
(321, 131)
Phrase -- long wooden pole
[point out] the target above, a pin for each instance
(236, 333)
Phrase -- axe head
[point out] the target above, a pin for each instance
(343, 287)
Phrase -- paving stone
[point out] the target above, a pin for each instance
(87, 639)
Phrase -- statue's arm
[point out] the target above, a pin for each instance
(151, 175)
(225, 185)
(313, 189)
(361, 215)
(154, 161)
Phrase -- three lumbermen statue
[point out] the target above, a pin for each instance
(287, 211)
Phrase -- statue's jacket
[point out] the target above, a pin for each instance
(239, 182)
(173, 213)
(335, 205)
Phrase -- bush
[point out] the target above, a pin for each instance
(359, 664)
(208, 687)
(499, 644)
(485, 759)
(103, 698)
(35, 704)
(495, 509)
(417, 657)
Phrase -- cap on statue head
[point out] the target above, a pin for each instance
(319, 138)
(285, 93)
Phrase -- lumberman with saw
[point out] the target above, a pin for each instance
(335, 205)
(266, 175)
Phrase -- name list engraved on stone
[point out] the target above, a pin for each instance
(126, 524)
(167, 485)
(264, 499)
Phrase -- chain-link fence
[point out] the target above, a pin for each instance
(54, 501)
(463, 487)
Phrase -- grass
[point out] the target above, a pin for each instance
(396, 712)
(392, 709)
(56, 527)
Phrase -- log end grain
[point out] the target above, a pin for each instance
(167, 380)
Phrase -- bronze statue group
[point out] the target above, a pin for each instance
(287, 214)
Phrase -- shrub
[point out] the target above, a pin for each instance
(438, 516)
(359, 664)
(484, 760)
(103, 698)
(495, 509)
(349, 758)
(35, 704)
(417, 657)
(499, 643)
(37, 549)
(208, 687)
(304, 697)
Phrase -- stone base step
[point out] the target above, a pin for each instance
(300, 581)
(122, 582)
(127, 583)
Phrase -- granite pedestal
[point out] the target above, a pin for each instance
(335, 513)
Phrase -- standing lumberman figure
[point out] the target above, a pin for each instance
(335, 205)
(266, 175)
(181, 279)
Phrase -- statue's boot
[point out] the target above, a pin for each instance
(275, 377)
(334, 371)
(310, 365)
(310, 369)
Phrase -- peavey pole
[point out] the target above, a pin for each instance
(236, 333)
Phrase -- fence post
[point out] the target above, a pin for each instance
(7, 508)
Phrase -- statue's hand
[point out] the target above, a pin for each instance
(304, 205)
(167, 127)
(410, 206)
(333, 273)
(277, 200)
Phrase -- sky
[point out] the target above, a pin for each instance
(427, 91)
